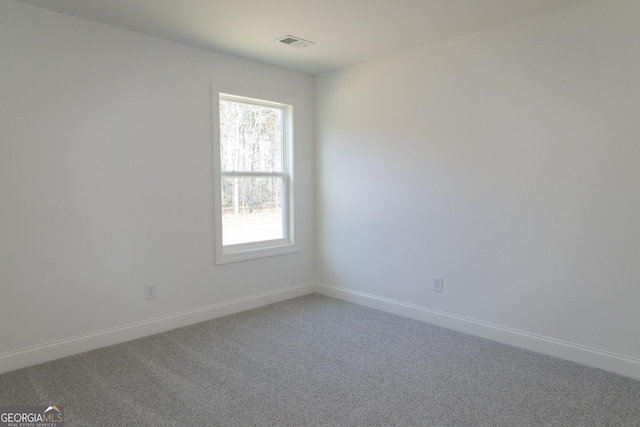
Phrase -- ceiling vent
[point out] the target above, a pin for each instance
(296, 42)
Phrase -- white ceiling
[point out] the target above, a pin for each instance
(345, 31)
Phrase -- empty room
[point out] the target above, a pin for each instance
(358, 212)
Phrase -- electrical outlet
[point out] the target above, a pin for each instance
(150, 290)
(437, 284)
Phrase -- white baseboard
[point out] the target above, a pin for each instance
(623, 365)
(79, 344)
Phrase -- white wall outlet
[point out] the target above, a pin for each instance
(438, 283)
(150, 291)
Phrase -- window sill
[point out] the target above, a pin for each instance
(236, 253)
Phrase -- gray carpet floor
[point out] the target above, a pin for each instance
(318, 361)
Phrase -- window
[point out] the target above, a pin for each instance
(254, 209)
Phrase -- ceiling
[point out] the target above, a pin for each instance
(346, 32)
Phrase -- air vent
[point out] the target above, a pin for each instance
(296, 42)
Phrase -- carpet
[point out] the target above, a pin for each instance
(319, 361)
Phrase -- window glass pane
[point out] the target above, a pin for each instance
(250, 137)
(251, 209)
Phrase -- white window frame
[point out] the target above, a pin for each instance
(259, 249)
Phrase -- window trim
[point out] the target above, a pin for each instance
(252, 250)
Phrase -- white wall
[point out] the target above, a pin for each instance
(507, 162)
(106, 178)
